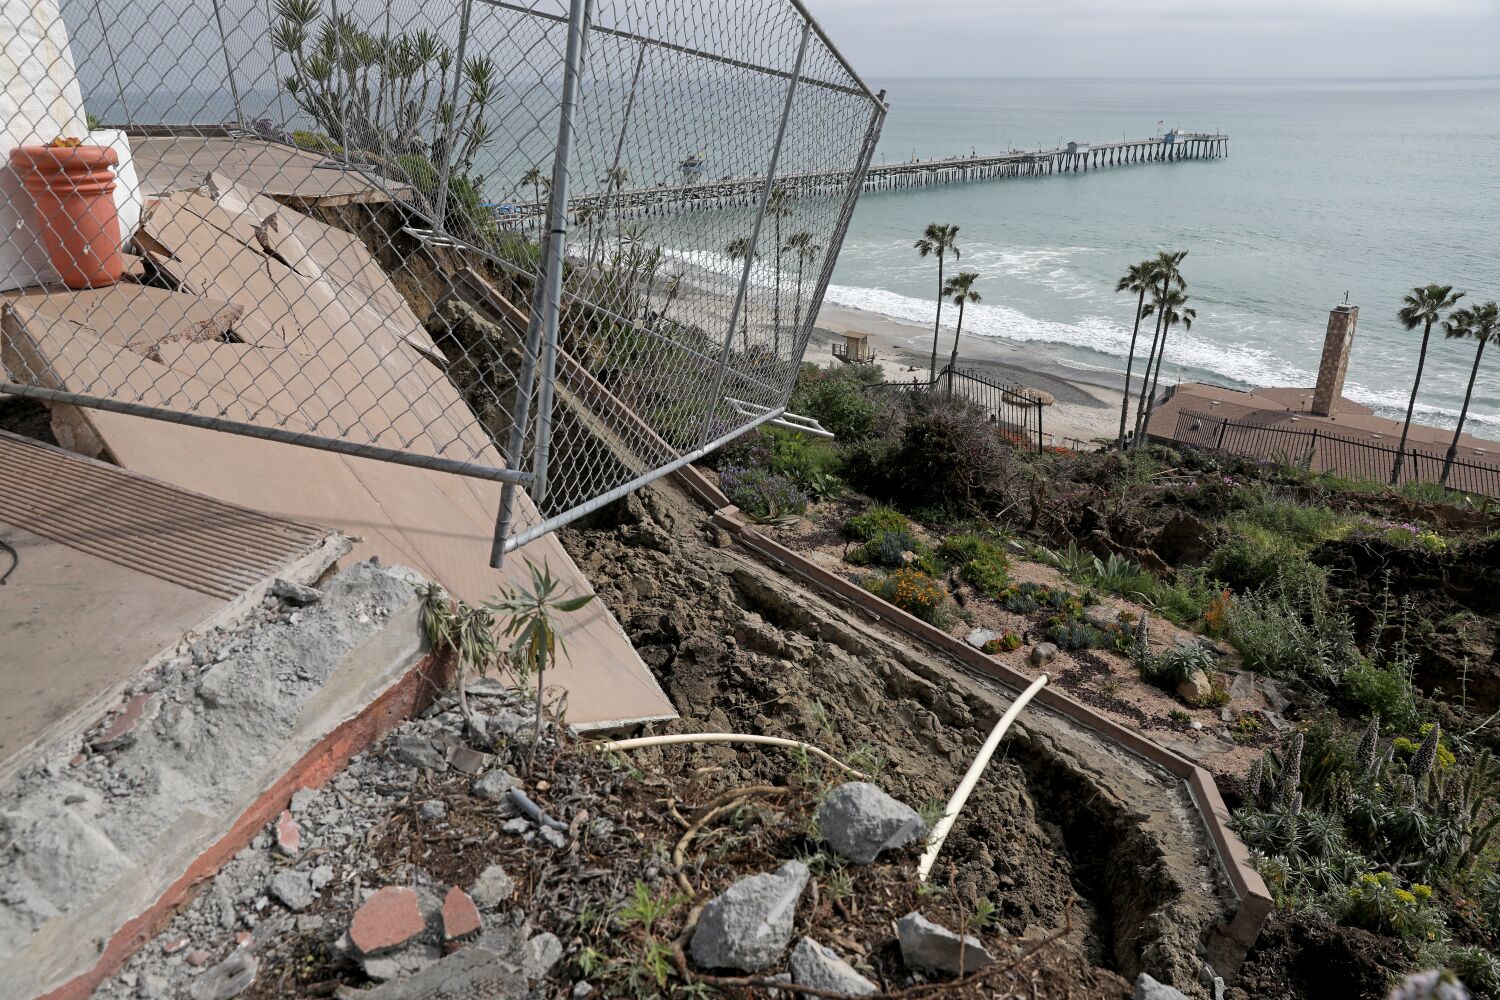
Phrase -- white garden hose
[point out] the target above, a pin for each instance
(775, 741)
(965, 787)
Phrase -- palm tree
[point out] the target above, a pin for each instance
(778, 207)
(1138, 278)
(1167, 275)
(1480, 324)
(537, 180)
(806, 251)
(585, 214)
(937, 240)
(1423, 307)
(1171, 310)
(740, 248)
(959, 290)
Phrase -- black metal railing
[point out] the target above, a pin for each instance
(1320, 450)
(1013, 408)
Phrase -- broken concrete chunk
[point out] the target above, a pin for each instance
(749, 925)
(433, 811)
(979, 636)
(229, 978)
(489, 967)
(213, 686)
(860, 820)
(467, 760)
(492, 887)
(118, 734)
(1147, 988)
(934, 948)
(542, 953)
(1043, 653)
(492, 786)
(418, 751)
(821, 968)
(293, 888)
(387, 920)
(295, 593)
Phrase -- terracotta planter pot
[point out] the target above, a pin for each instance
(75, 210)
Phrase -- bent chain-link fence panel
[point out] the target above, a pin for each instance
(567, 245)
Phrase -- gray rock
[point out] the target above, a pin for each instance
(213, 686)
(1101, 616)
(1242, 686)
(492, 786)
(1147, 988)
(321, 876)
(934, 948)
(492, 887)
(1043, 653)
(293, 888)
(556, 838)
(467, 760)
(822, 968)
(860, 820)
(582, 988)
(295, 593)
(749, 925)
(542, 953)
(1214, 646)
(433, 811)
(1279, 702)
(979, 636)
(153, 986)
(1195, 688)
(417, 751)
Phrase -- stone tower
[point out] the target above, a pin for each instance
(1335, 362)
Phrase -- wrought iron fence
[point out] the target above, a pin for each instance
(1321, 451)
(567, 245)
(1014, 409)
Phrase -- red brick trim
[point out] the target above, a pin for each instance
(413, 692)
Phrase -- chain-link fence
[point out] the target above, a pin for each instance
(567, 245)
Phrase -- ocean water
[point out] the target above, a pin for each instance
(1362, 186)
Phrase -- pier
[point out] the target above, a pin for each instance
(729, 192)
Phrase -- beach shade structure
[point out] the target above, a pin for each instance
(482, 239)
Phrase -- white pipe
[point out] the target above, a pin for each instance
(965, 787)
(775, 741)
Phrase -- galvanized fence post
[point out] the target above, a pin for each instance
(546, 302)
(445, 170)
(234, 90)
(841, 227)
(706, 430)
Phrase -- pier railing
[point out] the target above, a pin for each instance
(1014, 409)
(248, 307)
(1319, 450)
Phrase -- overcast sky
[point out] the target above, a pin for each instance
(885, 39)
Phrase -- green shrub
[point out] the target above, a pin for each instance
(914, 592)
(762, 494)
(1380, 690)
(1377, 902)
(980, 561)
(1255, 559)
(1171, 667)
(1184, 600)
(838, 400)
(1008, 642)
(1291, 636)
(875, 521)
(1477, 968)
(1294, 523)
(889, 549)
(1067, 632)
(949, 456)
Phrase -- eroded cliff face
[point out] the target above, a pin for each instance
(1059, 819)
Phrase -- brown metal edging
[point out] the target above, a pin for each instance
(1249, 888)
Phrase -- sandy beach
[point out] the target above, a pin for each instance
(1087, 406)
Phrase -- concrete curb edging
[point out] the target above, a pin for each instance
(402, 699)
(1254, 901)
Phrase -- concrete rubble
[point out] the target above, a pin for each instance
(821, 968)
(94, 837)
